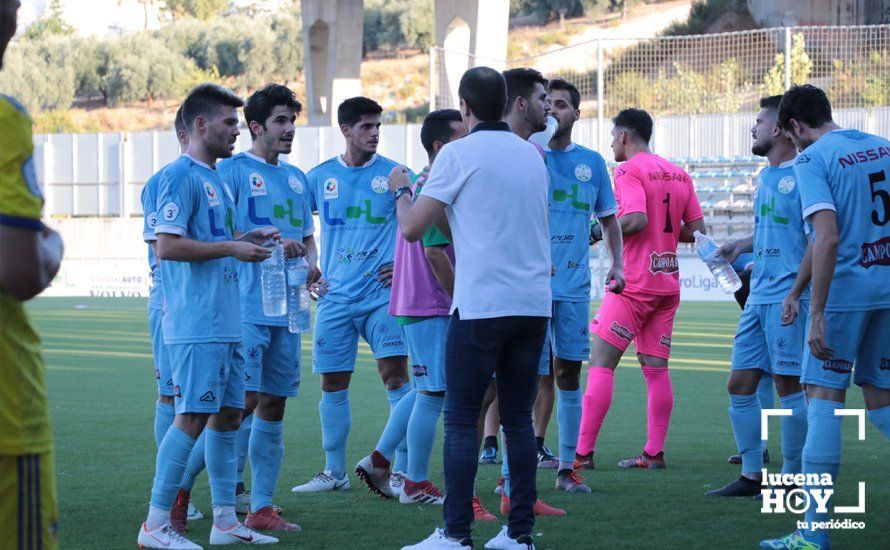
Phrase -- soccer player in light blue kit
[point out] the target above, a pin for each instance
(580, 188)
(197, 248)
(164, 412)
(845, 196)
(770, 335)
(268, 192)
(358, 222)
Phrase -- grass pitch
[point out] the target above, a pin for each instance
(102, 392)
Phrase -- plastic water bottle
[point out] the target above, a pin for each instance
(273, 282)
(720, 267)
(298, 317)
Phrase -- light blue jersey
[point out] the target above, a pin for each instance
(579, 189)
(779, 236)
(202, 297)
(265, 195)
(847, 171)
(149, 221)
(358, 224)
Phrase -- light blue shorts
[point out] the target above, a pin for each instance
(568, 334)
(338, 326)
(761, 342)
(271, 358)
(159, 351)
(426, 349)
(860, 338)
(206, 377)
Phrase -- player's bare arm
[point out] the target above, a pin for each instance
(183, 249)
(824, 261)
(801, 282)
(615, 244)
(633, 223)
(731, 250)
(29, 260)
(441, 266)
(416, 218)
(311, 256)
(689, 229)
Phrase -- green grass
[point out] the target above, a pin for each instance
(102, 388)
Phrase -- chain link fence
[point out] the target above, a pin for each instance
(704, 74)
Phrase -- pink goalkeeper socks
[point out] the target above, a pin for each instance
(660, 397)
(595, 405)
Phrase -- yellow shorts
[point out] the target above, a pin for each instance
(28, 515)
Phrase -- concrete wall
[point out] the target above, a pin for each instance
(770, 13)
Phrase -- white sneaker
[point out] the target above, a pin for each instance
(502, 541)
(164, 537)
(242, 503)
(438, 541)
(239, 534)
(397, 483)
(322, 482)
(193, 513)
(377, 479)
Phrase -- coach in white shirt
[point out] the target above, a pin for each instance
(489, 186)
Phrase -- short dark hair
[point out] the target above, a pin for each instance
(637, 121)
(520, 83)
(259, 105)
(204, 98)
(179, 122)
(437, 127)
(807, 104)
(771, 102)
(484, 90)
(562, 84)
(353, 109)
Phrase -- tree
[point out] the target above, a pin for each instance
(200, 9)
(52, 24)
(801, 67)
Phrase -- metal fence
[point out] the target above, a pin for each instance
(703, 74)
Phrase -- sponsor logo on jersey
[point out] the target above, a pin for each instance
(863, 156)
(562, 239)
(781, 343)
(561, 195)
(208, 397)
(419, 370)
(838, 365)
(257, 185)
(393, 343)
(665, 262)
(295, 184)
(769, 210)
(331, 189)
(885, 363)
(665, 341)
(252, 353)
(787, 363)
(621, 331)
(660, 175)
(229, 275)
(769, 252)
(786, 185)
(876, 253)
(573, 265)
(803, 159)
(212, 196)
(170, 211)
(349, 255)
(379, 184)
(357, 212)
(583, 172)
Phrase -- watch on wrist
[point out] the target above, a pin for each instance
(401, 191)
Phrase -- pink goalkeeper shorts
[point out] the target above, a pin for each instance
(647, 320)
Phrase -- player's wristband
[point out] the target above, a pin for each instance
(596, 233)
(401, 191)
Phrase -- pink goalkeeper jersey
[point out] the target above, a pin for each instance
(647, 183)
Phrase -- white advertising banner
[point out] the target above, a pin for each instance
(102, 278)
(696, 282)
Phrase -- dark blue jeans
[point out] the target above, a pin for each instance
(474, 350)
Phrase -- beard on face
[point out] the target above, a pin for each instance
(761, 149)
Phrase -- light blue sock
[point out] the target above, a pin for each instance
(422, 434)
(164, 415)
(195, 463)
(568, 418)
(173, 453)
(242, 445)
(401, 403)
(794, 431)
(222, 466)
(766, 395)
(266, 453)
(821, 454)
(744, 414)
(335, 423)
(505, 466)
(881, 419)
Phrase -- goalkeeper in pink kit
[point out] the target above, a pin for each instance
(657, 208)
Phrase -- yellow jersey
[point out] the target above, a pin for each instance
(24, 410)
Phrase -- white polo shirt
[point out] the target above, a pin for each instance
(495, 185)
